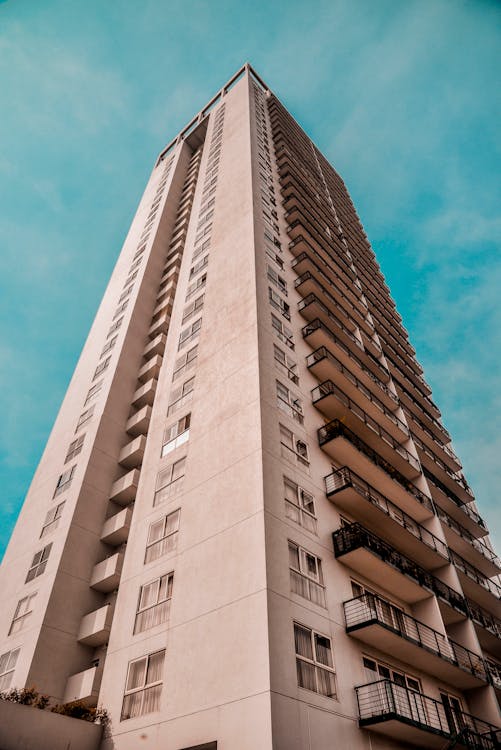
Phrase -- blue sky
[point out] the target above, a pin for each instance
(403, 99)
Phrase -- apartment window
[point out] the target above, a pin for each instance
(314, 663)
(23, 611)
(199, 266)
(162, 536)
(109, 345)
(198, 284)
(288, 402)
(176, 435)
(278, 303)
(283, 333)
(114, 327)
(39, 563)
(286, 364)
(154, 603)
(85, 416)
(192, 308)
(52, 520)
(189, 333)
(201, 249)
(274, 257)
(376, 670)
(74, 448)
(138, 261)
(125, 294)
(181, 396)
(120, 309)
(185, 361)
(279, 282)
(299, 505)
(7, 666)
(293, 448)
(93, 391)
(130, 278)
(64, 480)
(170, 481)
(101, 367)
(306, 574)
(139, 252)
(143, 686)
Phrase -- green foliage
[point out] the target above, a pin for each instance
(76, 709)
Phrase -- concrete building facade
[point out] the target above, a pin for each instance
(248, 529)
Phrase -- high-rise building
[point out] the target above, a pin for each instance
(248, 529)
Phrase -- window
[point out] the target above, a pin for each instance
(154, 603)
(93, 392)
(74, 448)
(52, 520)
(306, 575)
(278, 303)
(114, 327)
(7, 666)
(198, 284)
(192, 307)
(293, 448)
(23, 611)
(64, 481)
(125, 293)
(274, 257)
(130, 278)
(299, 505)
(109, 345)
(176, 435)
(286, 364)
(199, 266)
(185, 361)
(288, 403)
(314, 664)
(39, 563)
(85, 416)
(282, 332)
(101, 367)
(169, 481)
(279, 282)
(143, 686)
(120, 309)
(162, 536)
(200, 249)
(189, 333)
(181, 396)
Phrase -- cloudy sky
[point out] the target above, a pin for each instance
(403, 99)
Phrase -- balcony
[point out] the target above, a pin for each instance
(439, 449)
(106, 574)
(139, 422)
(145, 395)
(83, 686)
(151, 369)
(354, 495)
(414, 718)
(116, 528)
(124, 490)
(95, 627)
(132, 454)
(328, 398)
(333, 435)
(160, 325)
(454, 480)
(155, 346)
(377, 623)
(378, 561)
(474, 550)
(480, 588)
(487, 627)
(455, 507)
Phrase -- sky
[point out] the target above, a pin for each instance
(402, 98)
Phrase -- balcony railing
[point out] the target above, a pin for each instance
(355, 536)
(344, 477)
(384, 700)
(456, 476)
(335, 428)
(472, 572)
(478, 544)
(431, 478)
(368, 609)
(313, 299)
(485, 619)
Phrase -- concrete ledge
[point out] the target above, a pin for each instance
(28, 728)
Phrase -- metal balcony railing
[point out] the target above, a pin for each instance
(368, 609)
(345, 477)
(454, 498)
(384, 700)
(478, 544)
(485, 619)
(355, 536)
(335, 428)
(456, 476)
(472, 572)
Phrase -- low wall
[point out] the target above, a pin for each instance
(28, 728)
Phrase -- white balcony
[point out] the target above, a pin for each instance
(156, 346)
(83, 686)
(151, 369)
(161, 325)
(139, 422)
(132, 454)
(124, 489)
(95, 626)
(106, 574)
(145, 395)
(116, 528)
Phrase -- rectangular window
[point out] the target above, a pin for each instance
(279, 282)
(376, 670)
(7, 666)
(75, 448)
(285, 364)
(23, 611)
(193, 288)
(85, 416)
(288, 403)
(176, 435)
(314, 663)
(185, 361)
(283, 333)
(130, 278)
(274, 257)
(39, 563)
(114, 327)
(299, 505)
(199, 266)
(101, 367)
(154, 603)
(293, 448)
(93, 392)
(169, 481)
(52, 520)
(162, 537)
(279, 304)
(189, 333)
(306, 575)
(125, 293)
(120, 309)
(181, 396)
(109, 345)
(143, 686)
(192, 308)
(64, 481)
